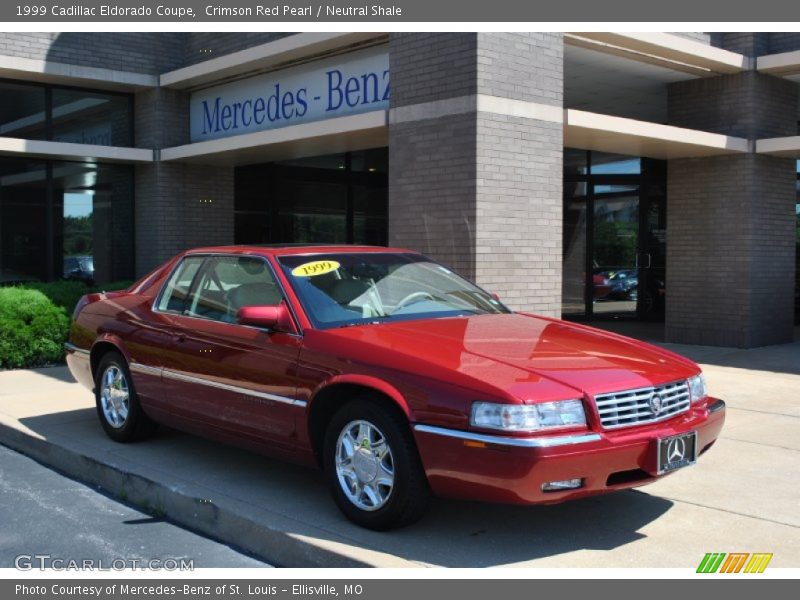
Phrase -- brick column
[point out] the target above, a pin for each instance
(177, 205)
(749, 43)
(475, 158)
(730, 219)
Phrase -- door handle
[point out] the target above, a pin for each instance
(180, 337)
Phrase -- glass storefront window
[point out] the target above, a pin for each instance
(369, 215)
(65, 220)
(22, 111)
(312, 212)
(23, 215)
(576, 162)
(82, 117)
(41, 112)
(579, 163)
(573, 289)
(94, 219)
(605, 163)
(332, 199)
(331, 162)
(375, 160)
(797, 251)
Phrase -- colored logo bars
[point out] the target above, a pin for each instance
(735, 562)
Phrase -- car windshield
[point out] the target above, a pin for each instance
(344, 289)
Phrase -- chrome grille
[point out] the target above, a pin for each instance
(634, 407)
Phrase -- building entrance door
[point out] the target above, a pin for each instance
(615, 244)
(614, 250)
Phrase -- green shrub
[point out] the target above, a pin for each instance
(67, 293)
(32, 329)
(61, 293)
(34, 320)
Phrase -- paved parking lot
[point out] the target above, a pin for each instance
(741, 497)
(35, 502)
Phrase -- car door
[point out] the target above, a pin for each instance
(238, 380)
(148, 334)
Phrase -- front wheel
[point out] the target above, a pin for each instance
(118, 407)
(373, 467)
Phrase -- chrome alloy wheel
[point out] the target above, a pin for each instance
(115, 396)
(364, 465)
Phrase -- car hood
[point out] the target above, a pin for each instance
(523, 355)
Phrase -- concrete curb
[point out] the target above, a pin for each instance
(272, 544)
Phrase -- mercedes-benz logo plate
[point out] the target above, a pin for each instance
(677, 451)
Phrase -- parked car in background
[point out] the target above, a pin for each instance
(12, 277)
(623, 284)
(79, 268)
(394, 374)
(617, 284)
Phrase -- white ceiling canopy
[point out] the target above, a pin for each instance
(608, 84)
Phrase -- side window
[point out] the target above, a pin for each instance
(228, 283)
(176, 292)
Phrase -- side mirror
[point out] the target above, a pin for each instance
(276, 318)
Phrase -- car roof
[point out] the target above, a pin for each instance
(289, 249)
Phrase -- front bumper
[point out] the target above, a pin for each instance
(512, 469)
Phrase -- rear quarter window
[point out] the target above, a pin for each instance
(176, 292)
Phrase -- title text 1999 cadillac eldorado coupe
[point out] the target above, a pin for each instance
(396, 375)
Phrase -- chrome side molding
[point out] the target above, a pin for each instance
(176, 376)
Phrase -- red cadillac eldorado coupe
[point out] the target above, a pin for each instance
(390, 371)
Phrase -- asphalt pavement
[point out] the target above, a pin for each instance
(45, 513)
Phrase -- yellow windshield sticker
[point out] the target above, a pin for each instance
(317, 267)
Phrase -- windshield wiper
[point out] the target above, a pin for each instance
(370, 321)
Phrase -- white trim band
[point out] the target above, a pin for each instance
(594, 131)
(510, 107)
(45, 71)
(460, 105)
(787, 147)
(73, 152)
(784, 64)
(340, 134)
(547, 441)
(668, 50)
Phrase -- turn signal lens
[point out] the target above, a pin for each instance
(528, 417)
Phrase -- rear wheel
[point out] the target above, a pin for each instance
(373, 467)
(118, 407)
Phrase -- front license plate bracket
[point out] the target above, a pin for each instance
(676, 451)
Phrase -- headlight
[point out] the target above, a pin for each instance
(697, 388)
(528, 417)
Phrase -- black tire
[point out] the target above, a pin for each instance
(410, 494)
(136, 425)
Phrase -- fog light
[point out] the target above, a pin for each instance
(564, 484)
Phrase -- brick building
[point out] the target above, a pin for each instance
(585, 175)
